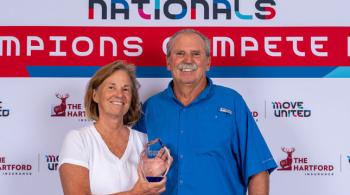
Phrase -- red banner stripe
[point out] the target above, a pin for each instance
(329, 41)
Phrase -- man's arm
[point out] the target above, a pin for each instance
(259, 184)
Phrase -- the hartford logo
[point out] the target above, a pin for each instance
(290, 109)
(14, 169)
(52, 162)
(189, 9)
(303, 165)
(63, 108)
(286, 164)
(255, 115)
(3, 111)
(60, 109)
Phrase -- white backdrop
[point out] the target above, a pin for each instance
(30, 133)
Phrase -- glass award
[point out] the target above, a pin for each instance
(155, 160)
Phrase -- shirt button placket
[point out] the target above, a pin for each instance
(181, 147)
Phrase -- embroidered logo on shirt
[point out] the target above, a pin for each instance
(225, 110)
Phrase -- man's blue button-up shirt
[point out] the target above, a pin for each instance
(215, 142)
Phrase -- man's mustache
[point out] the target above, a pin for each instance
(187, 67)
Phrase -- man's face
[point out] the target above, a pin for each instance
(188, 61)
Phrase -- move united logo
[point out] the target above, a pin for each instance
(302, 164)
(64, 108)
(290, 109)
(207, 10)
(52, 162)
(14, 168)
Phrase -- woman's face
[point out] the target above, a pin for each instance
(114, 95)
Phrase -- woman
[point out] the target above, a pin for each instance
(103, 158)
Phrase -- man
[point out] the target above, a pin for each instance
(216, 144)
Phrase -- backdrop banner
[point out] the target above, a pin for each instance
(290, 60)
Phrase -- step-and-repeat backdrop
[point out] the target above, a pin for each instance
(289, 59)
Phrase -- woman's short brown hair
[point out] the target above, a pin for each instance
(91, 107)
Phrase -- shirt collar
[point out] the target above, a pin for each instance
(202, 95)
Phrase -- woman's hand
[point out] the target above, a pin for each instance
(143, 187)
(157, 166)
(164, 155)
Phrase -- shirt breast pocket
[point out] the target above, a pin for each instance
(214, 133)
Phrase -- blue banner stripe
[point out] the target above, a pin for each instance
(270, 72)
(215, 71)
(339, 72)
(61, 71)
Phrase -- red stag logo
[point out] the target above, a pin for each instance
(60, 110)
(286, 164)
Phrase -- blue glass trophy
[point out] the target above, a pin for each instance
(155, 160)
